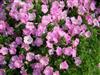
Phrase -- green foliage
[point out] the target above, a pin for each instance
(72, 12)
(61, 23)
(12, 72)
(4, 39)
(37, 6)
(50, 27)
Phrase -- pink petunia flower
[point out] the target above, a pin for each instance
(92, 5)
(38, 42)
(44, 61)
(4, 51)
(29, 25)
(44, 9)
(87, 34)
(75, 42)
(18, 63)
(67, 51)
(3, 26)
(12, 50)
(56, 73)
(64, 65)
(30, 56)
(59, 51)
(2, 72)
(48, 71)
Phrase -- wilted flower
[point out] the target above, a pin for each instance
(28, 39)
(77, 61)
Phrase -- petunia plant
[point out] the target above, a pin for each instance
(43, 37)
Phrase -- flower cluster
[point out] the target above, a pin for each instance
(40, 30)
